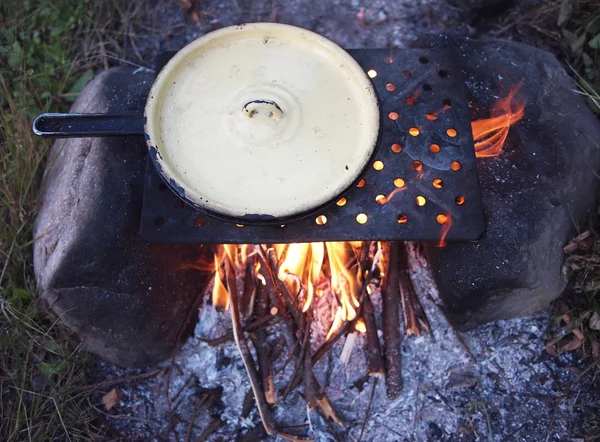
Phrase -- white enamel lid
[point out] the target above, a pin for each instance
(262, 120)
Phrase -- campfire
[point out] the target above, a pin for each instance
(291, 301)
(315, 294)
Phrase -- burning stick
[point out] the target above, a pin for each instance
(262, 347)
(411, 309)
(271, 263)
(391, 325)
(304, 352)
(242, 345)
(373, 348)
(315, 396)
(258, 324)
(249, 291)
(289, 329)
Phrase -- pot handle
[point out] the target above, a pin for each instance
(88, 125)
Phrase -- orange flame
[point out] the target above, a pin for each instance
(391, 195)
(412, 100)
(490, 134)
(433, 116)
(220, 296)
(304, 268)
(446, 221)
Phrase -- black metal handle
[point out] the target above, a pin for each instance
(88, 125)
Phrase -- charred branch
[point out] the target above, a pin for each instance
(391, 325)
(249, 291)
(262, 347)
(412, 312)
(373, 349)
(258, 324)
(289, 327)
(315, 396)
(247, 359)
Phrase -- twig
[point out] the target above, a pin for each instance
(373, 349)
(348, 347)
(289, 329)
(315, 396)
(290, 302)
(214, 424)
(248, 404)
(183, 387)
(391, 326)
(304, 353)
(113, 382)
(411, 309)
(208, 399)
(327, 345)
(178, 344)
(262, 348)
(251, 327)
(367, 415)
(249, 291)
(242, 345)
(188, 434)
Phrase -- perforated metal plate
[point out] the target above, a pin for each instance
(425, 147)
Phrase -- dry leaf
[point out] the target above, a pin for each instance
(595, 321)
(595, 349)
(574, 344)
(111, 399)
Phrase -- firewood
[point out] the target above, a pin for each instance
(412, 311)
(264, 321)
(391, 326)
(247, 359)
(261, 345)
(373, 349)
(315, 396)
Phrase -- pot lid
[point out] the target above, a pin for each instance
(262, 121)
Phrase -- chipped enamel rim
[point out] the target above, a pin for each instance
(162, 153)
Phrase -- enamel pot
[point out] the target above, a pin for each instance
(255, 124)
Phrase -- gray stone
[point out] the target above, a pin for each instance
(535, 193)
(126, 300)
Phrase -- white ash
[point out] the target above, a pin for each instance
(509, 389)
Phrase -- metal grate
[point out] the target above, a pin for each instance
(424, 159)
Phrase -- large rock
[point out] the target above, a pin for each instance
(535, 193)
(127, 300)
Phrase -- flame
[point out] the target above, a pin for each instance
(433, 115)
(361, 326)
(220, 297)
(447, 223)
(490, 134)
(412, 100)
(391, 194)
(305, 269)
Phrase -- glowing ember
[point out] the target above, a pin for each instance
(360, 326)
(490, 133)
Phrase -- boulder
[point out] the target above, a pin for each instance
(127, 300)
(535, 194)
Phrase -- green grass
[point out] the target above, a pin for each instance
(49, 49)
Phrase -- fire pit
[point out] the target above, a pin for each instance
(314, 294)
